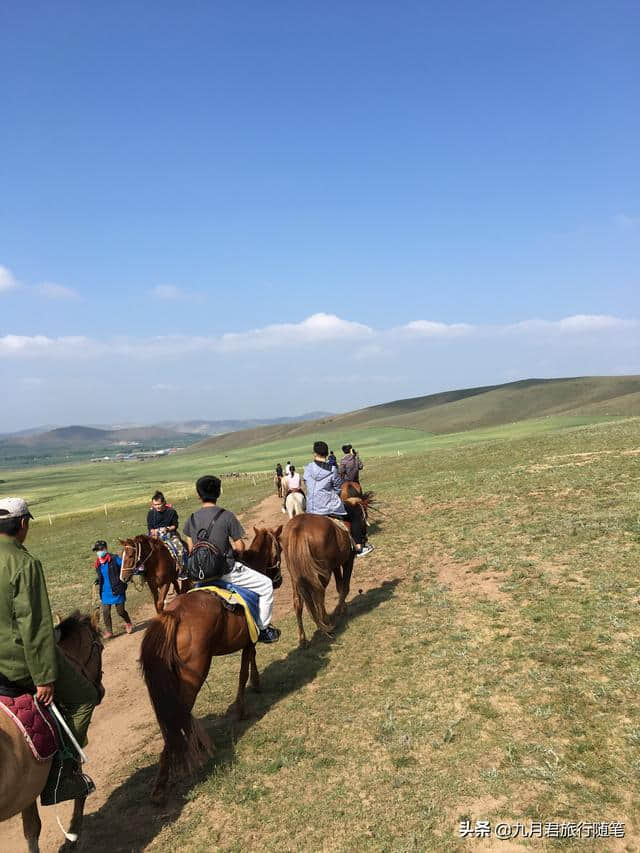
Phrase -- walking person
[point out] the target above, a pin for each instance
(113, 591)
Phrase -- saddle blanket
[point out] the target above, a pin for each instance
(176, 549)
(35, 723)
(232, 594)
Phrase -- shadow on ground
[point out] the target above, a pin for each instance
(128, 822)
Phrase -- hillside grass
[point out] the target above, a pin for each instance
(88, 487)
(488, 670)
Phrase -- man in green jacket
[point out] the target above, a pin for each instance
(29, 656)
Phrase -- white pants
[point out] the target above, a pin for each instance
(242, 575)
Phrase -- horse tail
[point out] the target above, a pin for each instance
(160, 663)
(309, 569)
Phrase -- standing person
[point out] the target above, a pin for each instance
(323, 497)
(113, 591)
(332, 459)
(222, 528)
(291, 484)
(350, 465)
(29, 656)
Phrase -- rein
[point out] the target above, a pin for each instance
(138, 563)
(96, 647)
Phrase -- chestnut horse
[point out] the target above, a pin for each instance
(23, 778)
(152, 560)
(176, 653)
(316, 547)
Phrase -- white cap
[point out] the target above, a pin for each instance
(14, 508)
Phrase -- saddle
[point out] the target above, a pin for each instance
(237, 599)
(35, 723)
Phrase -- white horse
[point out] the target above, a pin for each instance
(295, 504)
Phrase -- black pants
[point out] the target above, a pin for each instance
(355, 516)
(106, 615)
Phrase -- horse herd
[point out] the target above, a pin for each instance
(184, 636)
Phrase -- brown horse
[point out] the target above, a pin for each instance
(316, 547)
(153, 561)
(176, 653)
(23, 778)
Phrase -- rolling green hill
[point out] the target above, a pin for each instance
(461, 410)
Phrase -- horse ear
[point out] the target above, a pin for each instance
(278, 531)
(57, 619)
(255, 530)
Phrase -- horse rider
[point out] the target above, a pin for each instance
(113, 591)
(162, 523)
(350, 465)
(279, 478)
(323, 497)
(287, 468)
(291, 484)
(332, 459)
(29, 657)
(225, 531)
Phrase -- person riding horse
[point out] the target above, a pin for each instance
(323, 497)
(291, 484)
(162, 523)
(29, 657)
(350, 465)
(223, 530)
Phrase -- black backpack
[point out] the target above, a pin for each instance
(206, 562)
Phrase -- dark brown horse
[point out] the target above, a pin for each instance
(315, 548)
(176, 655)
(23, 778)
(153, 561)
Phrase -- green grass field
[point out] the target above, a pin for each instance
(489, 671)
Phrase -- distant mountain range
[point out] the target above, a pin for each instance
(462, 409)
(76, 438)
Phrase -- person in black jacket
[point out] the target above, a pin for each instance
(161, 516)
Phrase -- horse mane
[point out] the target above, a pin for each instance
(72, 622)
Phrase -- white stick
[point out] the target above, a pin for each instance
(50, 522)
(105, 511)
(69, 733)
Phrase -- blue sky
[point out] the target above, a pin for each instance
(171, 173)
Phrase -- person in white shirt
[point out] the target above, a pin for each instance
(292, 483)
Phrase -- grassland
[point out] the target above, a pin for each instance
(489, 669)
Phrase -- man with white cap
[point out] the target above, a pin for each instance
(29, 657)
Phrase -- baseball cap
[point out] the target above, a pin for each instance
(100, 545)
(14, 508)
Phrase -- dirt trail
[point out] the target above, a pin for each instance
(121, 724)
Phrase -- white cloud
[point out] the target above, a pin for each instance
(315, 329)
(575, 324)
(50, 290)
(170, 293)
(35, 345)
(7, 281)
(430, 329)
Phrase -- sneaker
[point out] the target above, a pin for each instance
(128, 627)
(269, 635)
(366, 549)
(107, 635)
(66, 783)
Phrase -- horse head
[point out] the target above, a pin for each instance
(81, 643)
(265, 554)
(134, 556)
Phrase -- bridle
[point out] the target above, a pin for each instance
(96, 648)
(276, 568)
(138, 562)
